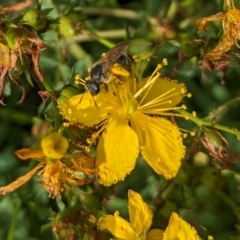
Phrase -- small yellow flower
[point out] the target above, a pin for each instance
(128, 118)
(54, 145)
(55, 175)
(140, 222)
(137, 227)
(179, 229)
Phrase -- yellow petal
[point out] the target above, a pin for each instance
(139, 213)
(155, 234)
(180, 229)
(160, 143)
(54, 145)
(21, 180)
(163, 94)
(117, 151)
(118, 226)
(26, 153)
(86, 109)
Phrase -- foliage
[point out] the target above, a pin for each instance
(119, 119)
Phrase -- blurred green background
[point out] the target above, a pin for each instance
(210, 202)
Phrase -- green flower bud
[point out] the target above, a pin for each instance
(140, 47)
(69, 25)
(16, 36)
(35, 18)
(212, 139)
(67, 92)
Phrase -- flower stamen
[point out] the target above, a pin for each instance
(95, 135)
(149, 82)
(80, 81)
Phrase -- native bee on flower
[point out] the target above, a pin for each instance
(113, 63)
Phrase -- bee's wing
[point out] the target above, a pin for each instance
(113, 54)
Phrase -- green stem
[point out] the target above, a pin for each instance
(121, 13)
(115, 33)
(100, 39)
(76, 50)
(203, 122)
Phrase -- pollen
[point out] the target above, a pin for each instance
(192, 133)
(185, 135)
(194, 114)
(165, 61)
(184, 107)
(184, 90)
(116, 213)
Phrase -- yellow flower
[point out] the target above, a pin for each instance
(127, 115)
(179, 229)
(54, 145)
(55, 175)
(140, 221)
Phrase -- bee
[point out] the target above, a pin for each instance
(101, 69)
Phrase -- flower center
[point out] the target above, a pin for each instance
(131, 107)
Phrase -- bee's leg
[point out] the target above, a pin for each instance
(81, 98)
(95, 103)
(105, 86)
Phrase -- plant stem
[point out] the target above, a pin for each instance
(121, 13)
(204, 122)
(115, 33)
(100, 39)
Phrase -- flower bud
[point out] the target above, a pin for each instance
(141, 48)
(212, 140)
(67, 92)
(35, 18)
(215, 144)
(16, 36)
(69, 25)
(54, 145)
